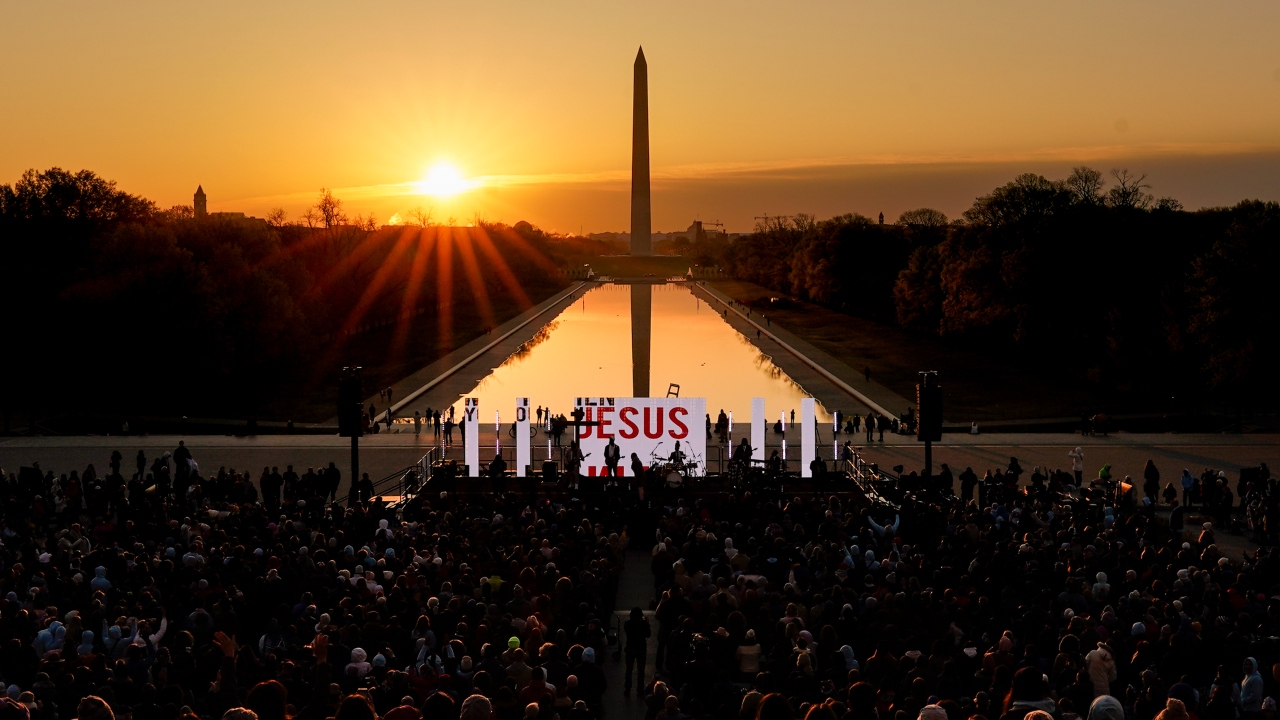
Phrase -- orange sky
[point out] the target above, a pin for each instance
(756, 107)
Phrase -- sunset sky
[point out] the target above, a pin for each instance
(756, 107)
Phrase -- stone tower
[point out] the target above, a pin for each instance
(200, 204)
(641, 225)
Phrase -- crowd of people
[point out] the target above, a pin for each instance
(1053, 598)
(137, 598)
(175, 596)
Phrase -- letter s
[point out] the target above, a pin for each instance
(675, 423)
(630, 430)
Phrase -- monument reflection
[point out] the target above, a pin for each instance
(631, 340)
(641, 337)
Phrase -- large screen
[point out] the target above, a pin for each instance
(648, 427)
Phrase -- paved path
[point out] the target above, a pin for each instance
(797, 357)
(814, 383)
(634, 590)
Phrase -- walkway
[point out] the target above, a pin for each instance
(798, 357)
(634, 590)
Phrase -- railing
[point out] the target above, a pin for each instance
(869, 478)
(400, 483)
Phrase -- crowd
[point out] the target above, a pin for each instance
(176, 596)
(1052, 598)
(170, 599)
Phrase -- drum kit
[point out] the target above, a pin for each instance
(674, 473)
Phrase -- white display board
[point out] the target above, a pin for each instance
(757, 429)
(522, 437)
(808, 435)
(471, 425)
(648, 427)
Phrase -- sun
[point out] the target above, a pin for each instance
(444, 180)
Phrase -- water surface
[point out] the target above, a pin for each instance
(586, 351)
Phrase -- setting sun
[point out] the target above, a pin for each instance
(444, 180)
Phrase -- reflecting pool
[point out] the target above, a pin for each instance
(587, 351)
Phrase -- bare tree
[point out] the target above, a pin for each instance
(330, 209)
(277, 217)
(368, 223)
(311, 218)
(420, 217)
(1085, 185)
(1129, 191)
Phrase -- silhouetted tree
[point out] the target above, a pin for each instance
(1081, 277)
(1235, 309)
(1086, 185)
(330, 209)
(1129, 191)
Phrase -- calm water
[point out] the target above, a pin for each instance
(586, 351)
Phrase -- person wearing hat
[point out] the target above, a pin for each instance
(1101, 666)
(591, 681)
(932, 712)
(509, 655)
(748, 657)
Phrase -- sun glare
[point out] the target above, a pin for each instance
(444, 180)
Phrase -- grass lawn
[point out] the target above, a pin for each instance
(976, 386)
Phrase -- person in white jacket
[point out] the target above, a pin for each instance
(1102, 669)
(1077, 465)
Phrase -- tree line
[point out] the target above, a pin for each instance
(117, 305)
(1082, 275)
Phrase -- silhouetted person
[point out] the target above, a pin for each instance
(1151, 481)
(968, 481)
(612, 455)
(365, 489)
(637, 632)
(498, 473)
(332, 479)
(818, 468)
(946, 481)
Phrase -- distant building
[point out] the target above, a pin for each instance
(696, 232)
(200, 202)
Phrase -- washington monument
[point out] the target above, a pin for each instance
(641, 226)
